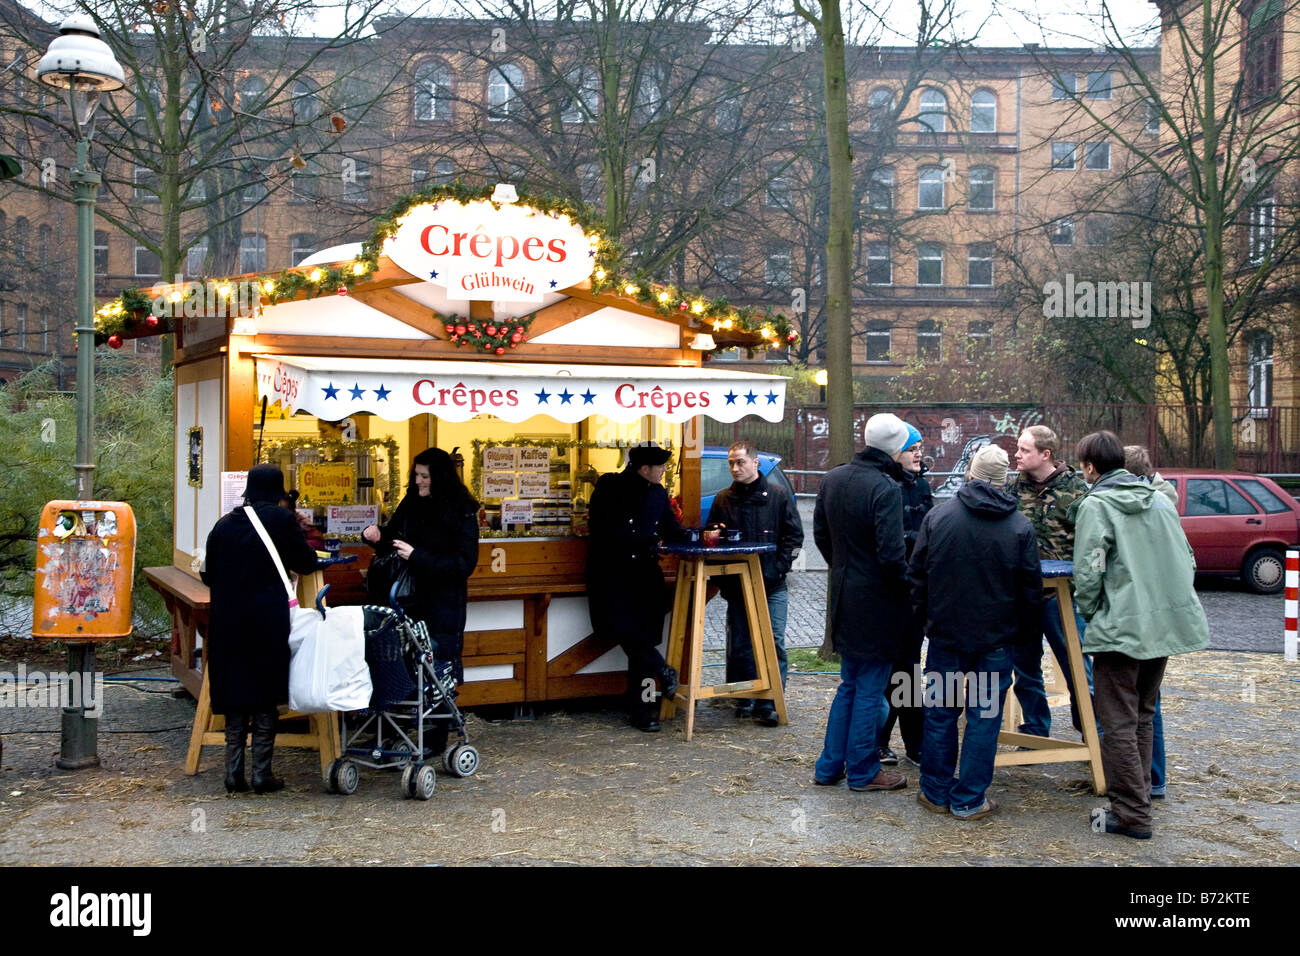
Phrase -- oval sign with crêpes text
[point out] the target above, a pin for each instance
(514, 253)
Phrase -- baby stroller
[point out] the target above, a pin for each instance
(414, 699)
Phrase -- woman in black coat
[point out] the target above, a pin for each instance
(435, 530)
(248, 630)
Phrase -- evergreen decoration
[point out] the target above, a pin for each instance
(730, 326)
(331, 450)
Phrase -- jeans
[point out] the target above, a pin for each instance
(990, 676)
(1028, 665)
(1157, 752)
(740, 651)
(853, 723)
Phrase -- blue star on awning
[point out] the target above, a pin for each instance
(433, 274)
(588, 397)
(330, 391)
(382, 393)
(357, 391)
(542, 396)
(771, 398)
(565, 396)
(554, 283)
(731, 398)
(750, 397)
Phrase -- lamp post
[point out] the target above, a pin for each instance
(81, 63)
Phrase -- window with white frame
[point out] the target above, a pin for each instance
(144, 184)
(1064, 86)
(357, 188)
(1063, 155)
(1096, 231)
(419, 172)
(878, 342)
(979, 341)
(933, 116)
(196, 256)
(101, 252)
(1259, 355)
(22, 236)
(728, 268)
(1262, 224)
(776, 267)
(432, 99)
(1099, 85)
(980, 198)
(728, 113)
(45, 331)
(979, 264)
(249, 94)
(929, 341)
(505, 83)
(983, 112)
(147, 263)
(581, 97)
(929, 264)
(589, 183)
(880, 109)
(1096, 156)
(880, 264)
(1152, 124)
(778, 187)
(649, 101)
(929, 188)
(20, 326)
(880, 189)
(1061, 232)
(252, 253)
(301, 245)
(304, 102)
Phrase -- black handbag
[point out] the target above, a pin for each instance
(386, 571)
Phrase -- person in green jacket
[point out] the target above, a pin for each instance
(1133, 572)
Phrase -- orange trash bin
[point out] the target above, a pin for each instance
(85, 563)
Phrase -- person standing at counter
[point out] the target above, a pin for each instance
(434, 529)
(248, 632)
(626, 594)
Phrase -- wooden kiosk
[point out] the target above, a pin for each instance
(497, 331)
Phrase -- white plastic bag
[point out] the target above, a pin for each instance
(327, 669)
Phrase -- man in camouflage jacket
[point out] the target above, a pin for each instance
(1045, 488)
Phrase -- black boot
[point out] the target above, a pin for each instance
(236, 731)
(263, 747)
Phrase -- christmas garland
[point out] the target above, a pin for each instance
(132, 313)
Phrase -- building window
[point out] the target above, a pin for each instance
(979, 264)
(304, 103)
(43, 245)
(45, 331)
(1096, 156)
(1099, 85)
(1263, 49)
(505, 83)
(249, 93)
(648, 100)
(778, 187)
(880, 265)
(929, 341)
(581, 98)
(101, 252)
(979, 341)
(880, 189)
(1096, 231)
(929, 188)
(419, 173)
(1259, 354)
(20, 327)
(432, 92)
(196, 256)
(252, 253)
(255, 191)
(727, 114)
(776, 267)
(357, 188)
(880, 109)
(983, 112)
(301, 245)
(1063, 86)
(1152, 125)
(443, 172)
(981, 188)
(1061, 232)
(22, 235)
(929, 264)
(934, 111)
(1063, 156)
(1262, 219)
(878, 335)
(147, 263)
(728, 268)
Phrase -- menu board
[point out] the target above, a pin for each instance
(516, 511)
(499, 484)
(500, 458)
(534, 485)
(535, 459)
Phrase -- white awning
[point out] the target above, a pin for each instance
(396, 389)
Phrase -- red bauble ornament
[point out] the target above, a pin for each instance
(115, 341)
(519, 329)
(451, 330)
(512, 344)
(516, 337)
(151, 320)
(499, 350)
(491, 330)
(343, 290)
(460, 330)
(682, 306)
(487, 346)
(792, 336)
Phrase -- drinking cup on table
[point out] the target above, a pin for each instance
(731, 535)
(711, 537)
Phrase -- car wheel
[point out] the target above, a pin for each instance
(1264, 571)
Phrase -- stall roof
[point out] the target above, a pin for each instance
(397, 389)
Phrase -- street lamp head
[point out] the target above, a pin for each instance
(80, 62)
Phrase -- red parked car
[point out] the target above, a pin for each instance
(1237, 523)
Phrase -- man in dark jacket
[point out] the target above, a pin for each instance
(763, 511)
(629, 514)
(248, 629)
(858, 526)
(975, 577)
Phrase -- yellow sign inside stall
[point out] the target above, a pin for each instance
(327, 483)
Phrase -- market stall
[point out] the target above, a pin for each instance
(501, 332)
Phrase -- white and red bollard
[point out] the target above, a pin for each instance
(1292, 602)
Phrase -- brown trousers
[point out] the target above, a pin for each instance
(1124, 696)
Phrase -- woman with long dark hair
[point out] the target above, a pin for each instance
(435, 530)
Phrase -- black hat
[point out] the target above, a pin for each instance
(647, 454)
(265, 483)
